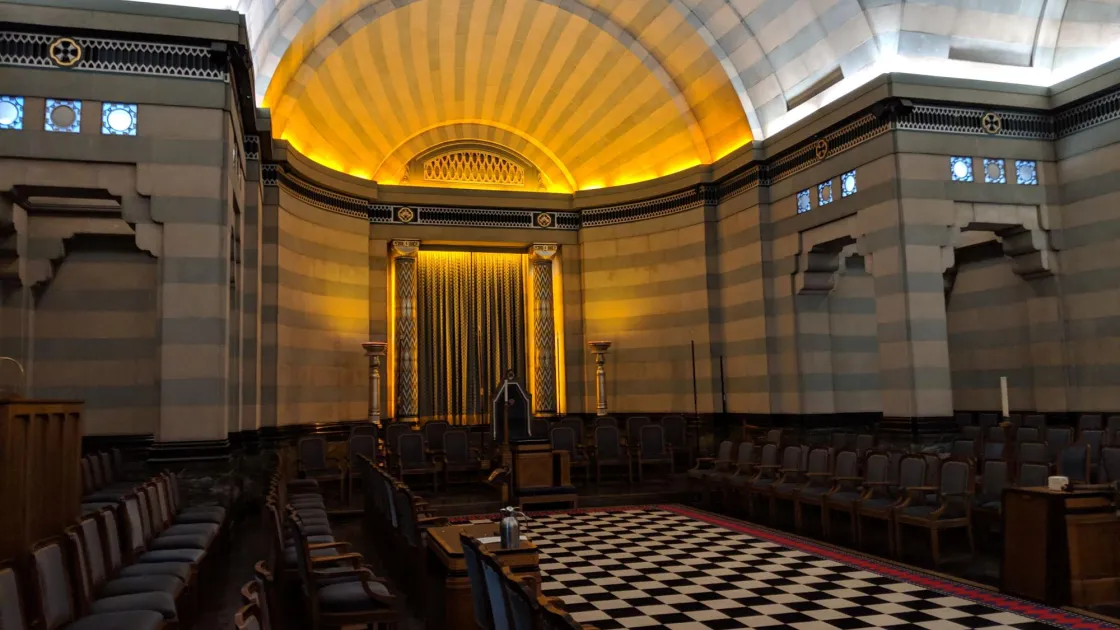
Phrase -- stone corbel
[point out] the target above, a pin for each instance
(1023, 232)
(818, 267)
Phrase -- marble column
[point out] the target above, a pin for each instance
(405, 339)
(544, 395)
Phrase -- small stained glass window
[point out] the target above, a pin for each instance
(824, 193)
(848, 184)
(803, 203)
(960, 168)
(994, 172)
(63, 116)
(118, 119)
(1026, 172)
(11, 112)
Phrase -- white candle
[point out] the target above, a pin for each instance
(1003, 395)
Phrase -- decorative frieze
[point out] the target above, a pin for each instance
(112, 55)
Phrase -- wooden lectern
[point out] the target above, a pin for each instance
(40, 471)
(529, 468)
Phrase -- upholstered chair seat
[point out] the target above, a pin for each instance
(193, 529)
(844, 497)
(351, 596)
(192, 556)
(163, 603)
(131, 620)
(169, 584)
(180, 570)
(185, 541)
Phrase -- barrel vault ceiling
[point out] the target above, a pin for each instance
(606, 92)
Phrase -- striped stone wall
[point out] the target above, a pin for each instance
(990, 336)
(855, 344)
(1090, 270)
(96, 335)
(742, 305)
(646, 289)
(322, 275)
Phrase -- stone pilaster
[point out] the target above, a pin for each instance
(544, 331)
(405, 338)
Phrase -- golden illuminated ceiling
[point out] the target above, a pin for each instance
(364, 87)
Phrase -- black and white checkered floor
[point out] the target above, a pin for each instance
(672, 567)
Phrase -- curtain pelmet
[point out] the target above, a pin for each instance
(471, 317)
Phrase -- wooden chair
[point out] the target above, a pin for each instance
(314, 463)
(1036, 421)
(766, 473)
(1089, 422)
(608, 451)
(1033, 452)
(707, 466)
(733, 482)
(341, 590)
(791, 477)
(472, 557)
(52, 575)
(1110, 465)
(11, 598)
(539, 427)
(651, 449)
(952, 509)
(864, 443)
(818, 483)
(564, 438)
(604, 421)
(499, 605)
(412, 523)
(963, 448)
(882, 497)
(845, 491)
(412, 459)
(126, 598)
(552, 617)
(392, 432)
(1027, 434)
(1031, 475)
(358, 445)
(1076, 462)
(676, 436)
(634, 425)
(103, 562)
(1057, 439)
(987, 506)
(573, 423)
(458, 457)
(433, 432)
(521, 598)
(249, 618)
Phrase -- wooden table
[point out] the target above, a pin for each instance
(1036, 553)
(449, 604)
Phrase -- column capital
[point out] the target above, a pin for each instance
(539, 252)
(404, 248)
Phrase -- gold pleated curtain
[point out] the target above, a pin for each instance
(471, 317)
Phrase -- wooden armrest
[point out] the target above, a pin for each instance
(879, 484)
(331, 545)
(922, 489)
(768, 467)
(819, 474)
(339, 558)
(847, 479)
(794, 471)
(956, 494)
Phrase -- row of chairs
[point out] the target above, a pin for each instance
(504, 600)
(335, 585)
(135, 565)
(649, 447)
(103, 480)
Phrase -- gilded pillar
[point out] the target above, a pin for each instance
(404, 265)
(544, 396)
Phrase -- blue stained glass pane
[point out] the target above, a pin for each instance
(803, 203)
(118, 119)
(994, 172)
(11, 112)
(1026, 172)
(848, 184)
(960, 168)
(63, 116)
(824, 193)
